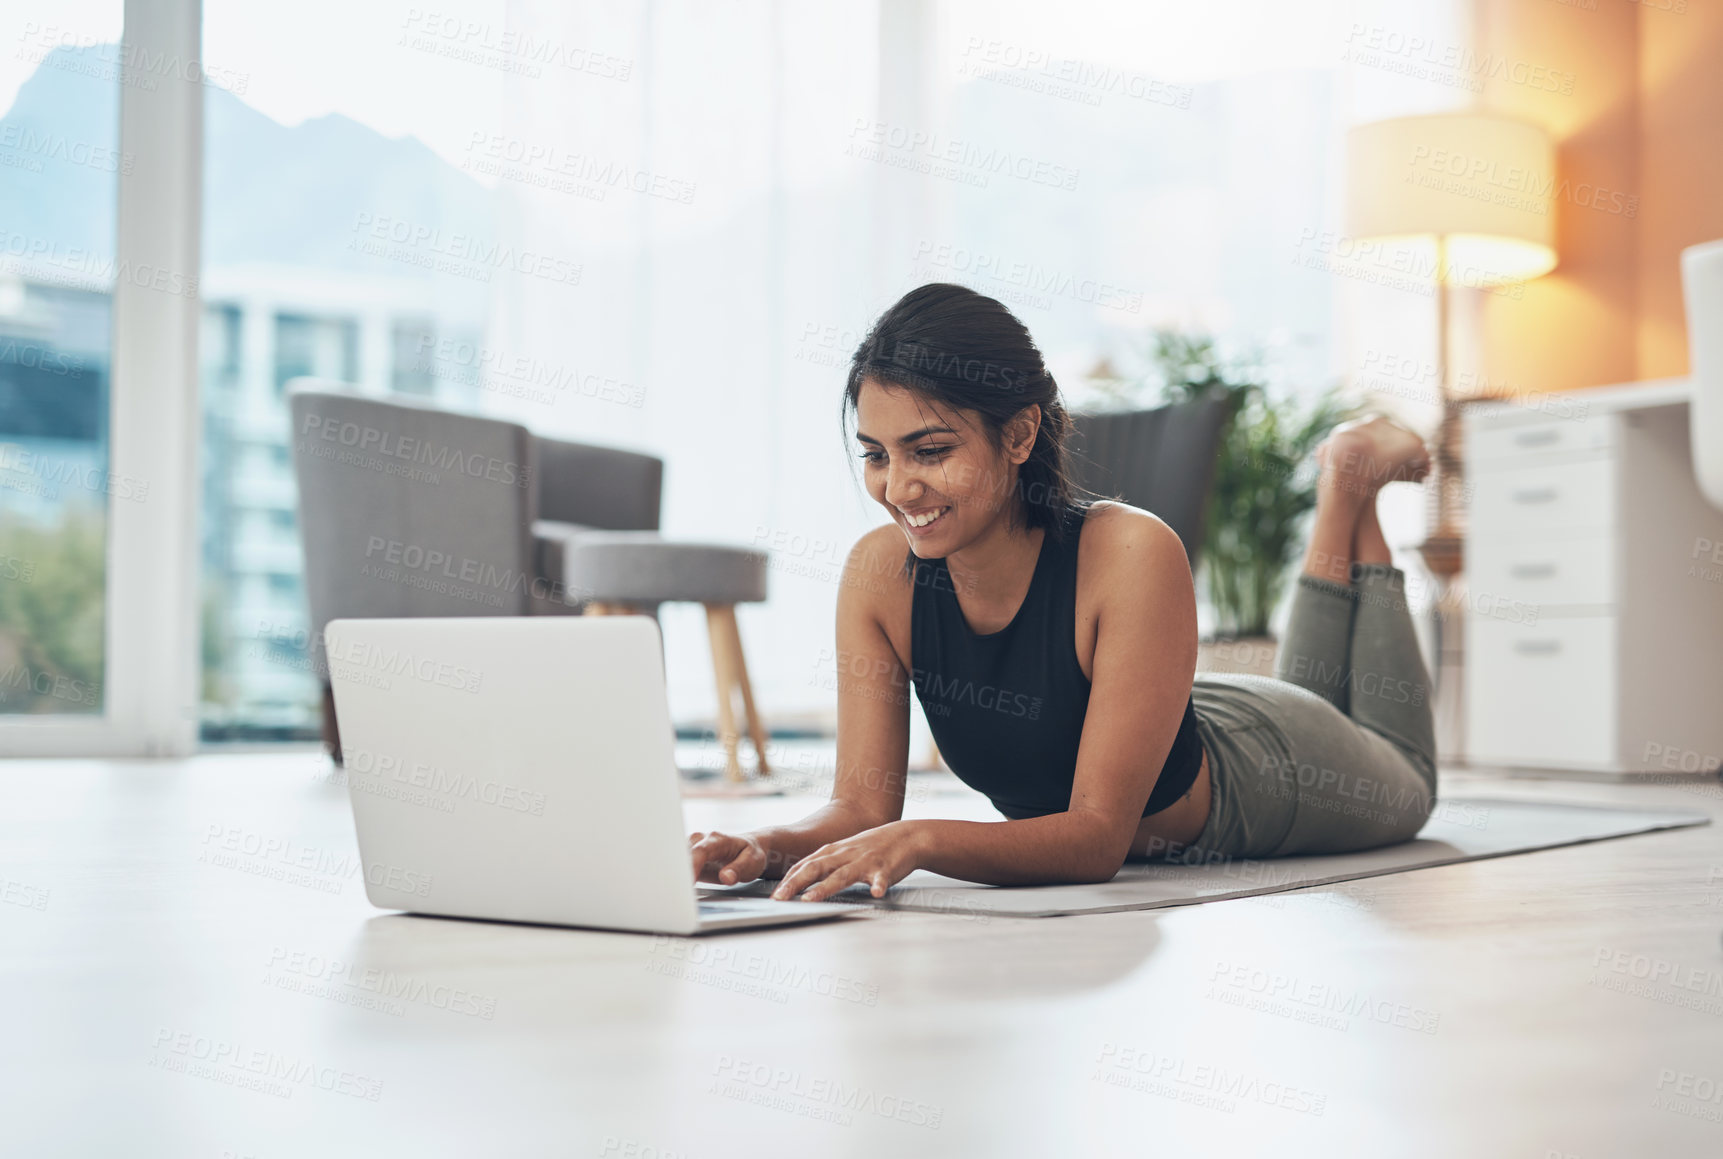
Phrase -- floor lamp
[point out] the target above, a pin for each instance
(1463, 199)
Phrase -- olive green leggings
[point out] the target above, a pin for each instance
(1338, 752)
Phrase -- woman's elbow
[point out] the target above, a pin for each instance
(1099, 871)
(1103, 853)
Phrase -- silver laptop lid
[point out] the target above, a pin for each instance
(514, 768)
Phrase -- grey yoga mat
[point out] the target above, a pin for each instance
(1462, 829)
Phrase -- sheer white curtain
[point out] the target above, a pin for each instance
(727, 274)
(717, 171)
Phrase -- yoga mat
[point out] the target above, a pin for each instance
(1464, 829)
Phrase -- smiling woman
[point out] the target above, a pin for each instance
(1051, 642)
(961, 352)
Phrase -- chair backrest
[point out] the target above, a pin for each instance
(602, 487)
(1161, 460)
(406, 510)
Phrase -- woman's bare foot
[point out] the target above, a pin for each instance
(1359, 457)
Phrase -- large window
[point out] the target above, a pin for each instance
(684, 218)
(59, 161)
(662, 228)
(337, 246)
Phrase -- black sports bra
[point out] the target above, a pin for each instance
(1007, 708)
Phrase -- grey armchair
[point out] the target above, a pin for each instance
(409, 510)
(1161, 460)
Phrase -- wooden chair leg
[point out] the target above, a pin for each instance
(756, 727)
(724, 670)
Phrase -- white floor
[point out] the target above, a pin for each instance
(1563, 1003)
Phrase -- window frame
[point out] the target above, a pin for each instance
(150, 624)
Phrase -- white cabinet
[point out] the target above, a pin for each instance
(1594, 625)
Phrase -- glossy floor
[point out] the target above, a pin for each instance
(167, 997)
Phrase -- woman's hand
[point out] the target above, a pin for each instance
(881, 857)
(725, 858)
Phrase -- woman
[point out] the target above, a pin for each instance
(1052, 645)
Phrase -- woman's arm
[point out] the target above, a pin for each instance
(873, 728)
(1145, 658)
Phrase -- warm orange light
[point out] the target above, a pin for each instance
(1480, 185)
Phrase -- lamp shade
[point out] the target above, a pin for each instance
(1481, 184)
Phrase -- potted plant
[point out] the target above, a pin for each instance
(1264, 486)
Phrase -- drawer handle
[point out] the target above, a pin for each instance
(1529, 571)
(1535, 495)
(1541, 438)
(1537, 647)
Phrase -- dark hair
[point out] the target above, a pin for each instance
(968, 352)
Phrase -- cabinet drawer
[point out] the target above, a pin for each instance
(1542, 694)
(1489, 442)
(1554, 497)
(1539, 572)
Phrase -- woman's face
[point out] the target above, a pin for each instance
(934, 469)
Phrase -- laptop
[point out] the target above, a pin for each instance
(522, 769)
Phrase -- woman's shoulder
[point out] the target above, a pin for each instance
(1117, 536)
(875, 565)
(877, 591)
(884, 546)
